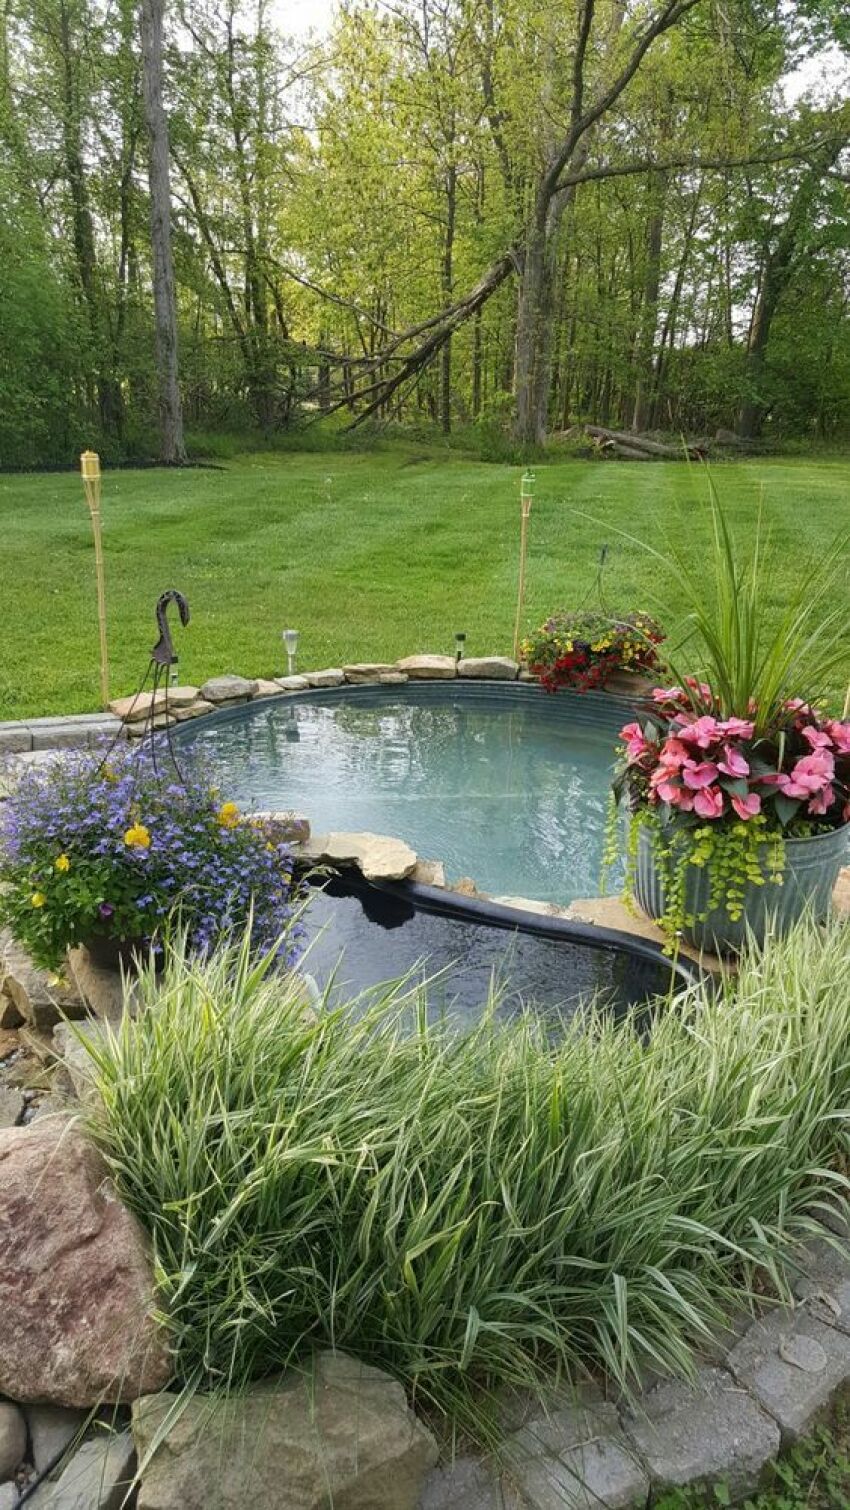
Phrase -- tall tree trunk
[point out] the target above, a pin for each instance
(447, 283)
(172, 442)
(644, 395)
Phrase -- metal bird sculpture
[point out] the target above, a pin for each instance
(163, 653)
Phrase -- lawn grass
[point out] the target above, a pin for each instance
(369, 555)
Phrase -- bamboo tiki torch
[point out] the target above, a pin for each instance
(90, 470)
(525, 497)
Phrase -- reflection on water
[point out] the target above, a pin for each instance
(503, 792)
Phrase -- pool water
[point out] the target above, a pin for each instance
(359, 937)
(508, 786)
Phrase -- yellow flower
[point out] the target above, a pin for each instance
(109, 774)
(38, 899)
(63, 863)
(228, 815)
(137, 837)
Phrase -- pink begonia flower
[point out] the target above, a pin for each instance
(635, 741)
(733, 763)
(668, 791)
(701, 687)
(667, 694)
(702, 732)
(823, 801)
(709, 802)
(814, 771)
(747, 807)
(697, 775)
(738, 728)
(816, 737)
(674, 753)
(839, 733)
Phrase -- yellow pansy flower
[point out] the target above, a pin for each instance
(228, 815)
(137, 837)
(38, 899)
(63, 863)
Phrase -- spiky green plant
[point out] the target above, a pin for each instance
(472, 1211)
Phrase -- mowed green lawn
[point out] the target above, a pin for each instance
(369, 556)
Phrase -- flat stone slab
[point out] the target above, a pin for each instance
(194, 710)
(577, 1459)
(393, 678)
(73, 733)
(466, 1484)
(702, 1433)
(332, 676)
(792, 1363)
(139, 706)
(611, 912)
(367, 671)
(228, 689)
(527, 904)
(493, 668)
(428, 668)
(379, 858)
(38, 1000)
(52, 1428)
(292, 683)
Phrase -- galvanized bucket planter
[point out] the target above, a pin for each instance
(811, 871)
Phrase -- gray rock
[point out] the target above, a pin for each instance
(466, 1484)
(332, 676)
(293, 683)
(377, 857)
(339, 1434)
(13, 1439)
(701, 1433)
(228, 689)
(428, 668)
(824, 1285)
(96, 1478)
(367, 671)
(393, 678)
(792, 1363)
(494, 668)
(39, 1002)
(73, 733)
(52, 1428)
(9, 1496)
(577, 1459)
(104, 991)
(75, 1071)
(14, 738)
(11, 1108)
(429, 873)
(267, 688)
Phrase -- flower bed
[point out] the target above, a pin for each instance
(113, 849)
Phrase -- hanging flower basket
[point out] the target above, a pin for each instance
(585, 651)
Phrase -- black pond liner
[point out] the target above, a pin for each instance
(362, 934)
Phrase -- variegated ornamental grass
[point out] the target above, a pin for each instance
(481, 1210)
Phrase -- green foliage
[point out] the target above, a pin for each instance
(480, 1210)
(755, 662)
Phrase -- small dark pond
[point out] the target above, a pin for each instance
(361, 936)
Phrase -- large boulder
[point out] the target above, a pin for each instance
(98, 1477)
(340, 1434)
(367, 671)
(76, 1283)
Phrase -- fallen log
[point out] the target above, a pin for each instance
(642, 444)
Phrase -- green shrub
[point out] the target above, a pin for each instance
(480, 1210)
